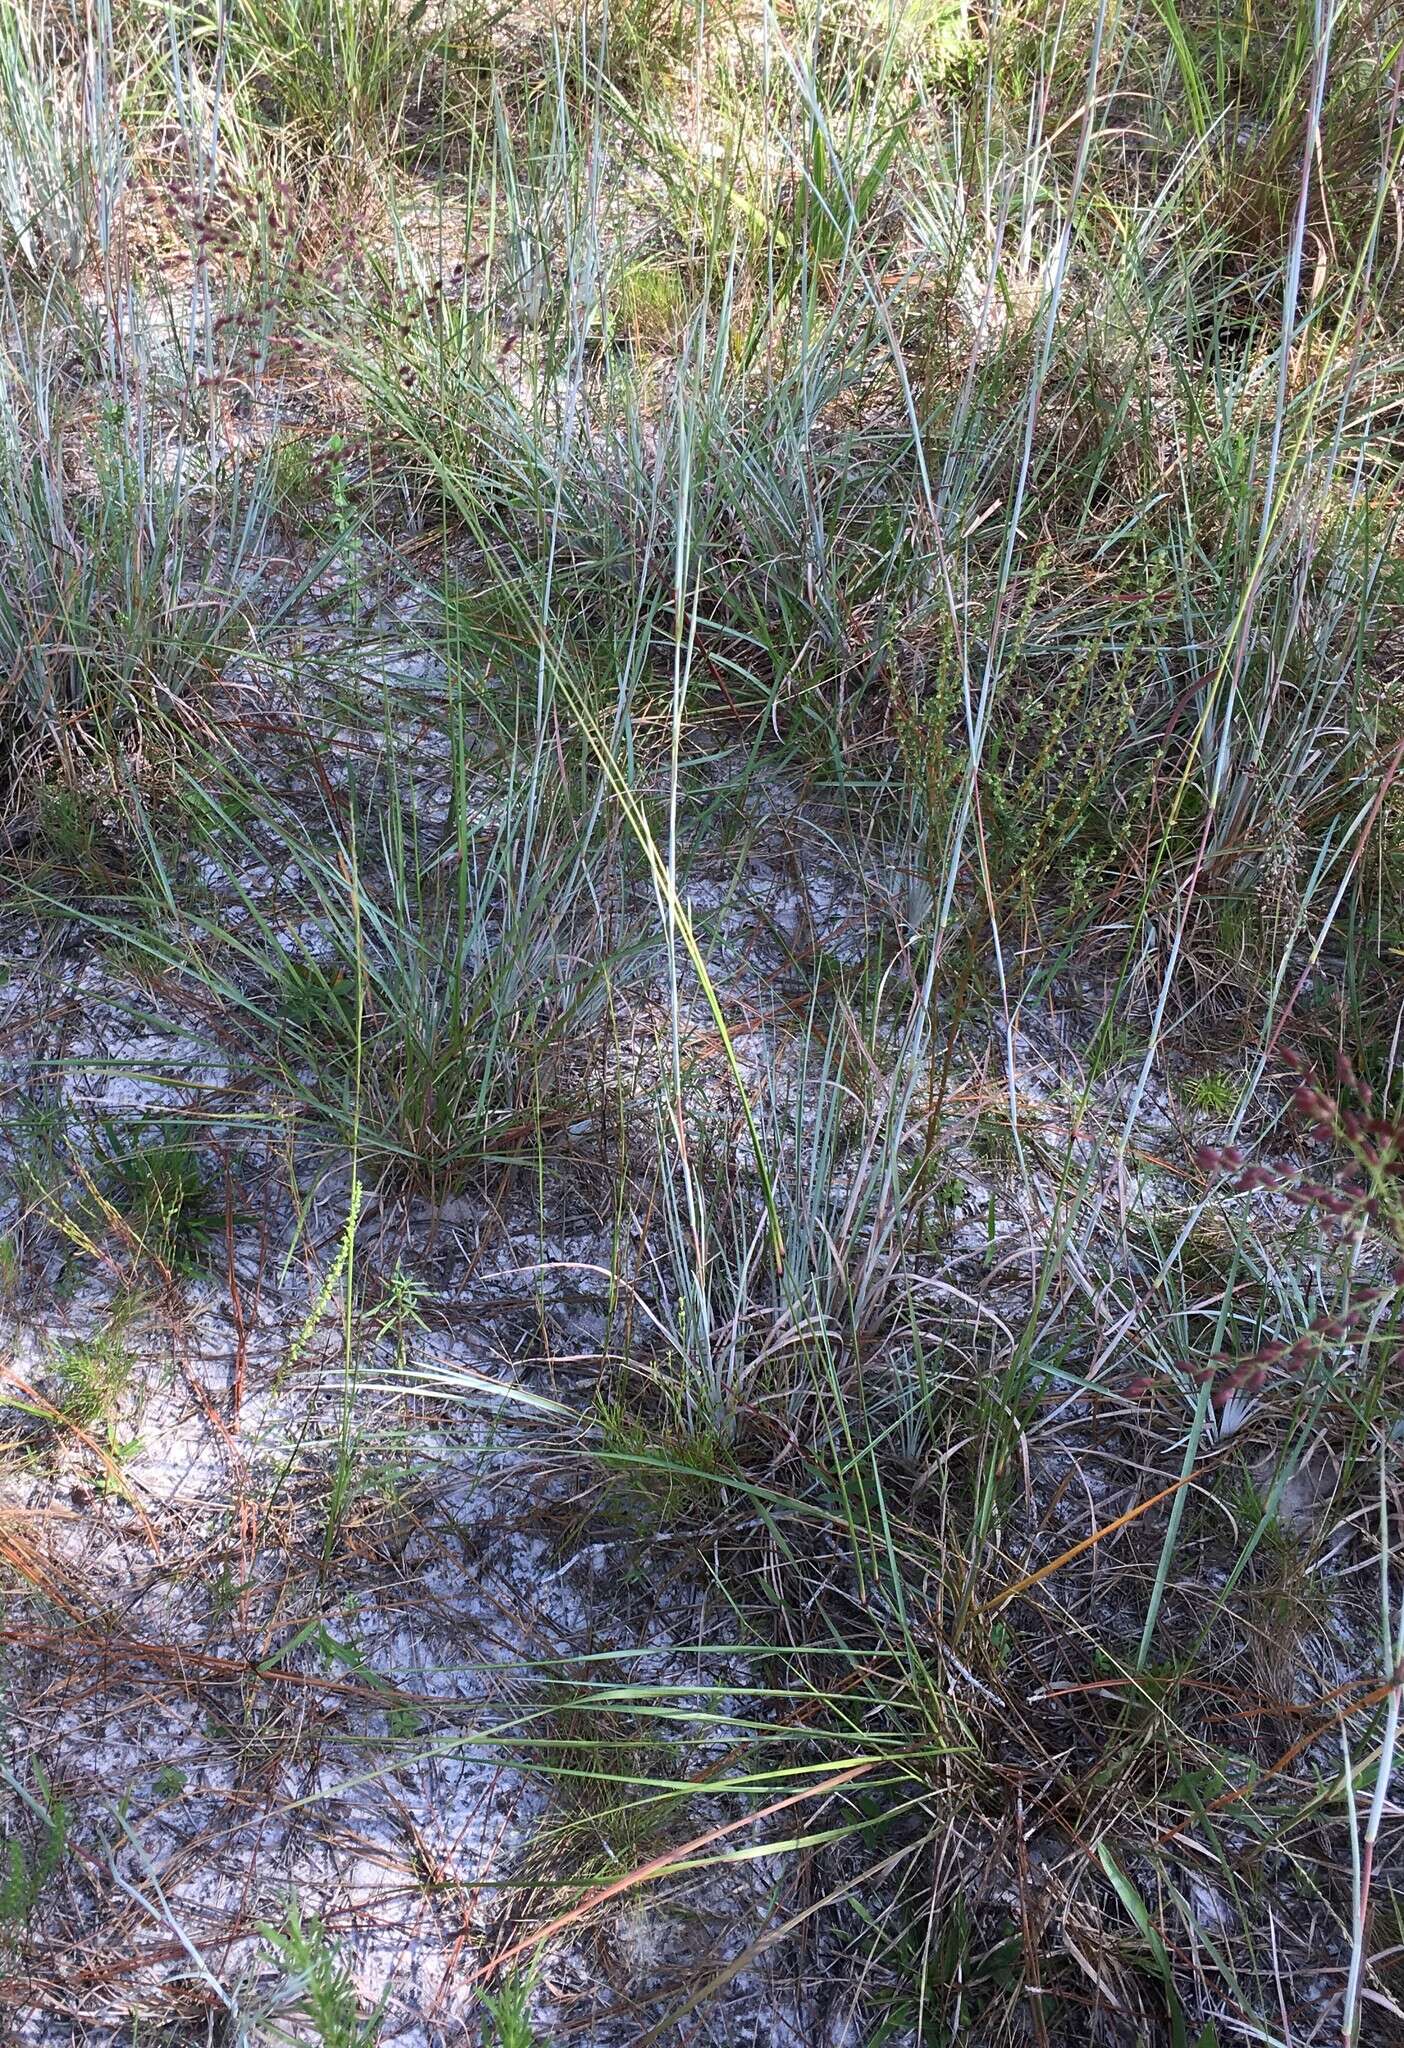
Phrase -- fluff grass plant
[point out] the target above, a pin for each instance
(975, 446)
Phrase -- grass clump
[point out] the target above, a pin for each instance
(122, 598)
(328, 68)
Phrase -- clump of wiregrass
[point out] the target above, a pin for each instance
(331, 70)
(849, 1492)
(54, 132)
(128, 538)
(1091, 731)
(427, 995)
(122, 597)
(133, 510)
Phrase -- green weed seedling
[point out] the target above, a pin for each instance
(29, 1859)
(509, 2016)
(163, 1191)
(1212, 1095)
(92, 1377)
(650, 303)
(319, 1983)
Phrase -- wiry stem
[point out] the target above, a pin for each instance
(1365, 1861)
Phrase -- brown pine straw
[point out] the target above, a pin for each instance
(109, 1464)
(660, 1866)
(26, 1558)
(1056, 1564)
(1372, 1697)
